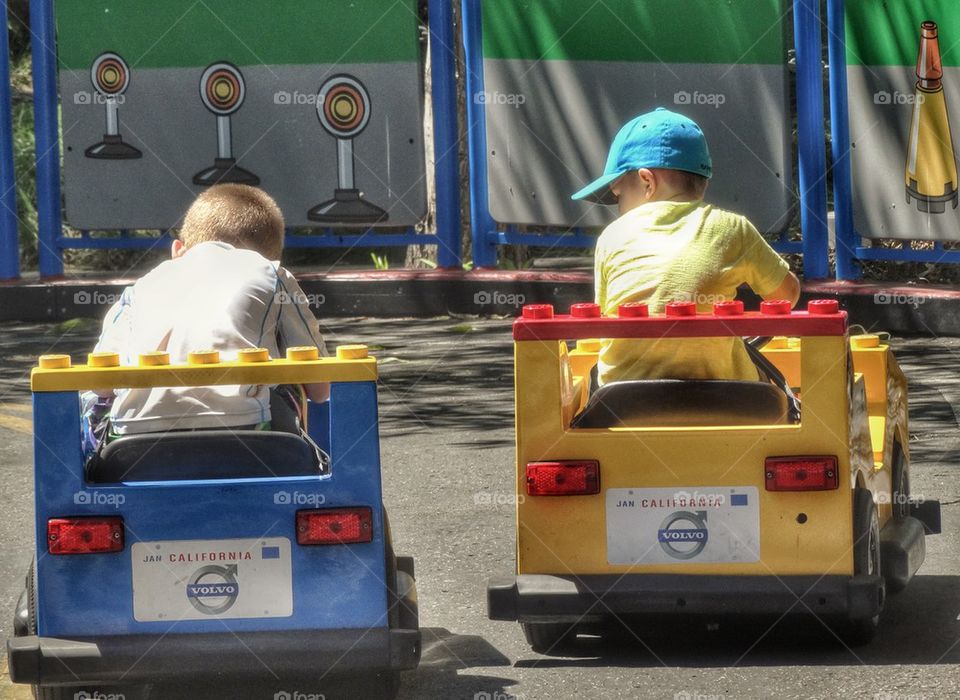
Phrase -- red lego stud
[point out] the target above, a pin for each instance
(728, 308)
(538, 311)
(585, 310)
(823, 307)
(776, 307)
(681, 308)
(633, 309)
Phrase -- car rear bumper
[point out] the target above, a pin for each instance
(547, 598)
(142, 658)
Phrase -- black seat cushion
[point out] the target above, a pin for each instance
(683, 403)
(203, 454)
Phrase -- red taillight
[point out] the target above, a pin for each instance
(568, 478)
(335, 526)
(801, 473)
(84, 535)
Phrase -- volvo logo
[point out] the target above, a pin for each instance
(213, 589)
(683, 534)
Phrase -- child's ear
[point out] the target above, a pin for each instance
(177, 249)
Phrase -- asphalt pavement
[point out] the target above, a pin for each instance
(447, 451)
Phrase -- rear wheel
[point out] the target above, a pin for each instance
(900, 490)
(866, 562)
(544, 637)
(71, 692)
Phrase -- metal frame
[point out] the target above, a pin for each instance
(9, 232)
(486, 235)
(850, 248)
(51, 241)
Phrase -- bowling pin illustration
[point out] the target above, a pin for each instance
(931, 169)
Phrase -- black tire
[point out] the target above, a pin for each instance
(547, 637)
(866, 562)
(900, 491)
(70, 692)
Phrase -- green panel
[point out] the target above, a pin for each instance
(187, 33)
(664, 31)
(887, 32)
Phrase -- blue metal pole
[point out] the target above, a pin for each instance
(9, 234)
(847, 238)
(482, 225)
(46, 129)
(446, 145)
(810, 138)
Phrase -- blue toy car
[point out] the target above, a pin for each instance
(214, 555)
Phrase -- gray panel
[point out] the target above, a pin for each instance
(276, 135)
(881, 108)
(549, 125)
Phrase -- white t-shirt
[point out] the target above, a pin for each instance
(213, 297)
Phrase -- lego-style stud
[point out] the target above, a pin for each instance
(776, 307)
(54, 361)
(585, 310)
(538, 310)
(793, 343)
(254, 355)
(734, 307)
(203, 357)
(352, 352)
(155, 358)
(303, 353)
(633, 309)
(823, 307)
(681, 308)
(867, 340)
(777, 342)
(588, 345)
(103, 359)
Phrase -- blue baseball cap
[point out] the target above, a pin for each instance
(657, 139)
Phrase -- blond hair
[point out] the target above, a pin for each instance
(243, 216)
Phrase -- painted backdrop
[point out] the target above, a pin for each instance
(320, 103)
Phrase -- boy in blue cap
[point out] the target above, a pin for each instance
(669, 245)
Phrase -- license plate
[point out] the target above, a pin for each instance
(678, 526)
(204, 579)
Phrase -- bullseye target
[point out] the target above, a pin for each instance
(343, 106)
(110, 74)
(222, 88)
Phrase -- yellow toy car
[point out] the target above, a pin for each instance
(709, 498)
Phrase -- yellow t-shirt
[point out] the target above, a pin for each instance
(680, 251)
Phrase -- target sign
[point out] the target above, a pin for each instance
(222, 88)
(110, 74)
(343, 106)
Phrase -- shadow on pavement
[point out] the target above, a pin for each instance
(926, 611)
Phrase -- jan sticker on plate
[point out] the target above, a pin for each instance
(204, 579)
(676, 526)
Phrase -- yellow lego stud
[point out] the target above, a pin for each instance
(793, 343)
(54, 361)
(867, 340)
(254, 355)
(588, 345)
(303, 353)
(203, 357)
(156, 358)
(352, 352)
(103, 359)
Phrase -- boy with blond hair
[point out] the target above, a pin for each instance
(223, 289)
(669, 245)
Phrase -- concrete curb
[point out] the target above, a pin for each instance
(903, 309)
